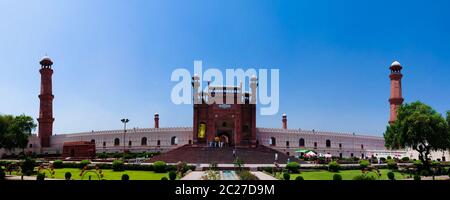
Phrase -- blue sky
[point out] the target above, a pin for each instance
(113, 59)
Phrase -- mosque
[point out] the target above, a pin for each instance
(224, 125)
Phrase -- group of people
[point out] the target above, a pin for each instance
(219, 142)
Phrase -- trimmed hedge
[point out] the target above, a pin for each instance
(136, 167)
(84, 163)
(40, 177)
(2, 174)
(364, 164)
(160, 167)
(391, 175)
(286, 176)
(364, 178)
(118, 166)
(172, 175)
(392, 164)
(28, 165)
(68, 175)
(58, 164)
(125, 177)
(333, 166)
(293, 167)
(337, 177)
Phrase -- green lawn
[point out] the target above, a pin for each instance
(108, 174)
(346, 174)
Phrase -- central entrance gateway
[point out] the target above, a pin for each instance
(217, 120)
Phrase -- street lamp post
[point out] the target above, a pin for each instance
(124, 121)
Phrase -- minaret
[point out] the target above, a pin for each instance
(396, 98)
(156, 120)
(284, 120)
(46, 103)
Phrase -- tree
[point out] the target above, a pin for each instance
(420, 127)
(15, 130)
(5, 121)
(20, 130)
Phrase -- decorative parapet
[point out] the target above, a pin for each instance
(315, 132)
(132, 130)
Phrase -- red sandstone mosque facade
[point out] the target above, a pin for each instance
(230, 123)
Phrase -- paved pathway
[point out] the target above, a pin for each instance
(194, 175)
(263, 176)
(429, 178)
(26, 178)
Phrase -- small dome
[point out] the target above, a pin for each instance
(284, 114)
(395, 63)
(156, 113)
(46, 61)
(46, 58)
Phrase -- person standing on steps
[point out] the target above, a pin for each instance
(276, 157)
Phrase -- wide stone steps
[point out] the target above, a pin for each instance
(205, 155)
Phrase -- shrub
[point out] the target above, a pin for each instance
(182, 168)
(337, 177)
(2, 174)
(58, 164)
(84, 163)
(364, 164)
(333, 166)
(363, 177)
(104, 166)
(418, 164)
(40, 177)
(389, 157)
(391, 175)
(160, 167)
(293, 167)
(28, 166)
(118, 166)
(383, 160)
(68, 175)
(172, 175)
(424, 173)
(405, 159)
(268, 169)
(286, 176)
(392, 164)
(171, 168)
(246, 175)
(164, 179)
(103, 155)
(299, 178)
(417, 177)
(125, 177)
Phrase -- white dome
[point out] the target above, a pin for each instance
(46, 58)
(284, 114)
(156, 113)
(395, 63)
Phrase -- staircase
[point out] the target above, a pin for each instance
(224, 155)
